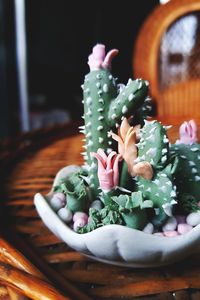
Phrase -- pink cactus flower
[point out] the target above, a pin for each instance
(188, 133)
(108, 172)
(99, 60)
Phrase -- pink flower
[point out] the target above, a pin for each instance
(108, 172)
(98, 59)
(188, 133)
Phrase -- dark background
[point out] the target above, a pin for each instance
(60, 36)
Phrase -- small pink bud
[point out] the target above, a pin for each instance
(79, 223)
(188, 133)
(171, 233)
(80, 215)
(184, 228)
(99, 52)
(98, 59)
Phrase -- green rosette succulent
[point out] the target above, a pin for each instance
(133, 209)
(76, 190)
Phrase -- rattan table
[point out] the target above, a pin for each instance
(35, 264)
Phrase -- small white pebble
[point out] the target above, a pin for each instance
(65, 214)
(97, 204)
(61, 196)
(58, 201)
(149, 228)
(184, 228)
(55, 203)
(80, 215)
(170, 225)
(193, 219)
(171, 233)
(79, 223)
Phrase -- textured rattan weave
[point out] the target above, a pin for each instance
(34, 263)
(176, 95)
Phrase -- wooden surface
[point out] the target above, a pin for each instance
(179, 101)
(34, 263)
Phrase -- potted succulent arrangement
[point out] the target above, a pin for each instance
(135, 201)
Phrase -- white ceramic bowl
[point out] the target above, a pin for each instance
(117, 244)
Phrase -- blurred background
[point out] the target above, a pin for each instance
(46, 43)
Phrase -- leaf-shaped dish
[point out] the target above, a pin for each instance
(117, 244)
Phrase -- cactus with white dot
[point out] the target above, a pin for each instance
(188, 171)
(105, 104)
(161, 190)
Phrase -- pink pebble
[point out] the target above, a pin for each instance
(180, 219)
(158, 233)
(198, 204)
(79, 223)
(184, 228)
(80, 215)
(171, 233)
(61, 196)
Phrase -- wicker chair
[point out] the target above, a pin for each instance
(166, 53)
(35, 264)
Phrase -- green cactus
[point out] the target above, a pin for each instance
(104, 107)
(188, 171)
(161, 190)
(154, 144)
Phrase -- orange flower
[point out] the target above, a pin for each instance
(127, 140)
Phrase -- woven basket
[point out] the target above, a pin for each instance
(35, 264)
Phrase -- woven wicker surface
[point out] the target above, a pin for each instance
(178, 100)
(48, 268)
